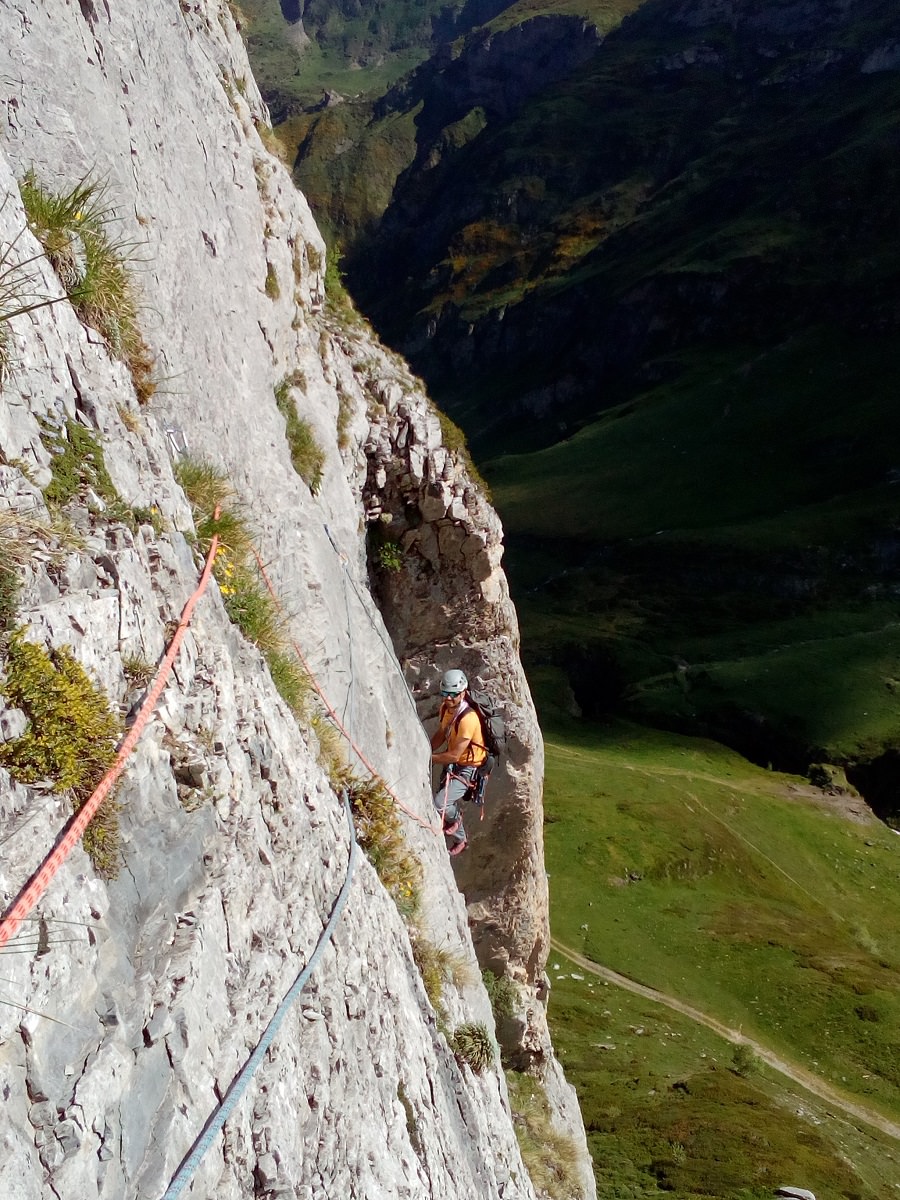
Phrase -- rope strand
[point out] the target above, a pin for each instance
(73, 831)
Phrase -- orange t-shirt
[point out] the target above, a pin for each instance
(466, 726)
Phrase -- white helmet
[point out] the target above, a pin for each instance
(453, 682)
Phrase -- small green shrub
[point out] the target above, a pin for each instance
(743, 1060)
(502, 993)
(273, 287)
(77, 463)
(74, 229)
(389, 556)
(473, 1044)
(307, 456)
(71, 737)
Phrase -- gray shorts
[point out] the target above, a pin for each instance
(453, 789)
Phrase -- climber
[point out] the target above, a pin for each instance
(459, 730)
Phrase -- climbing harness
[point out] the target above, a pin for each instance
(475, 788)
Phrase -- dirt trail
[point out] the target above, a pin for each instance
(813, 1083)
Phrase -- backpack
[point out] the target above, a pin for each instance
(493, 727)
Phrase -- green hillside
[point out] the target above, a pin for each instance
(685, 188)
(748, 896)
(723, 552)
(396, 120)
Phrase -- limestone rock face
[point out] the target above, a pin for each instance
(131, 1005)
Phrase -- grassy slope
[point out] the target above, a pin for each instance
(340, 146)
(714, 517)
(679, 864)
(667, 1116)
(300, 72)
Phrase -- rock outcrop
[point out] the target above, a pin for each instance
(130, 1003)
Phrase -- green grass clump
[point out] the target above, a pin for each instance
(502, 993)
(380, 834)
(307, 456)
(291, 680)
(71, 739)
(433, 964)
(247, 599)
(207, 488)
(472, 1044)
(272, 286)
(337, 299)
(250, 604)
(137, 669)
(455, 441)
(550, 1157)
(74, 229)
(77, 463)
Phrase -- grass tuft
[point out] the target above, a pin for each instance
(292, 682)
(93, 268)
(472, 1044)
(502, 993)
(77, 464)
(380, 834)
(307, 456)
(137, 670)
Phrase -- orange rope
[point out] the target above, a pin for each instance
(435, 829)
(42, 878)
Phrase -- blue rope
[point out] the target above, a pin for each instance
(241, 1081)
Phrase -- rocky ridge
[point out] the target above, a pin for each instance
(132, 1003)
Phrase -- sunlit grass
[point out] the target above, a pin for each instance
(96, 269)
(683, 866)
